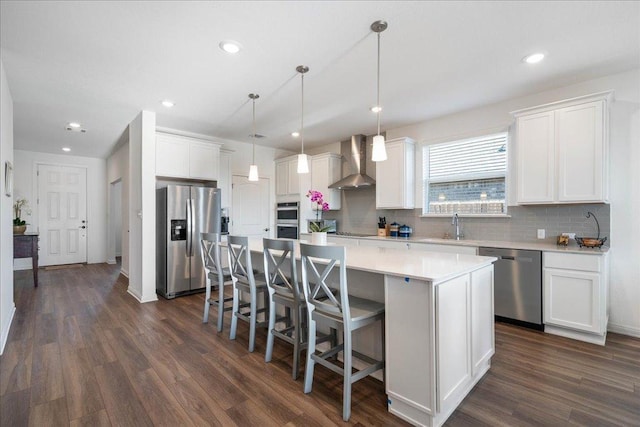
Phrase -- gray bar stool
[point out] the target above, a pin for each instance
(245, 281)
(340, 311)
(284, 289)
(216, 275)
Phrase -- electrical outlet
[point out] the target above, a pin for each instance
(540, 233)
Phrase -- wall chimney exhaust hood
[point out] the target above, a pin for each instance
(355, 153)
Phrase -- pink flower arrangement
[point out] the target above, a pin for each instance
(317, 198)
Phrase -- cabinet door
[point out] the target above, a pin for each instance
(395, 180)
(572, 299)
(282, 178)
(536, 158)
(325, 170)
(204, 161)
(293, 178)
(172, 157)
(580, 141)
(450, 249)
(224, 180)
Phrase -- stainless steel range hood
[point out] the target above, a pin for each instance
(355, 153)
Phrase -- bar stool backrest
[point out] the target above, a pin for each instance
(280, 268)
(240, 259)
(210, 253)
(317, 264)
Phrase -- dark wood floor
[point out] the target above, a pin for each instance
(81, 351)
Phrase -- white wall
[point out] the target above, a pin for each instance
(142, 207)
(25, 168)
(7, 305)
(118, 171)
(624, 176)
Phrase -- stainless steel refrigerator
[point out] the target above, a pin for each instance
(182, 213)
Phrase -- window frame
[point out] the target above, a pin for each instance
(425, 164)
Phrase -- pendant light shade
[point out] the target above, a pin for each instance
(253, 169)
(303, 160)
(379, 152)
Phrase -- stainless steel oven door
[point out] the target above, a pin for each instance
(287, 231)
(287, 212)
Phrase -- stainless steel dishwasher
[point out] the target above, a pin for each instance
(517, 286)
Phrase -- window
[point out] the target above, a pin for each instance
(466, 176)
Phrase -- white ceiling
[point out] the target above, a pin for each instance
(100, 63)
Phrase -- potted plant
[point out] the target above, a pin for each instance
(20, 225)
(318, 233)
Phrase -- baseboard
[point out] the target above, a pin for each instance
(5, 331)
(140, 299)
(111, 261)
(22, 267)
(624, 330)
(125, 273)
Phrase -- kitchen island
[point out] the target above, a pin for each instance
(439, 328)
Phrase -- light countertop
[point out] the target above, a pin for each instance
(429, 266)
(543, 246)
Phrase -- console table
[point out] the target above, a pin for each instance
(26, 246)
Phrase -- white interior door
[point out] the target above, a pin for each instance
(62, 213)
(250, 207)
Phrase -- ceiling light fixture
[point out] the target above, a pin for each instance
(295, 134)
(534, 58)
(253, 169)
(167, 103)
(303, 161)
(75, 127)
(230, 46)
(67, 149)
(379, 152)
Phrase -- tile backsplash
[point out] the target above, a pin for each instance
(359, 215)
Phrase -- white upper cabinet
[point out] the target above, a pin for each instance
(395, 177)
(325, 170)
(287, 177)
(562, 151)
(184, 157)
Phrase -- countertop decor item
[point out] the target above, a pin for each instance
(20, 225)
(591, 242)
(317, 198)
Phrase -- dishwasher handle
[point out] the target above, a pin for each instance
(510, 258)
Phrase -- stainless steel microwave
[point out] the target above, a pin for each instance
(287, 213)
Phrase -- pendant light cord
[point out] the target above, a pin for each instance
(302, 116)
(378, 101)
(254, 131)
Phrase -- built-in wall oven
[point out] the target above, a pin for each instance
(287, 220)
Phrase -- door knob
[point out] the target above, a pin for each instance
(266, 229)
(82, 227)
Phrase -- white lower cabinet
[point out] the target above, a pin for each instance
(575, 295)
(450, 331)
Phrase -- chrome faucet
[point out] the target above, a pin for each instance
(456, 221)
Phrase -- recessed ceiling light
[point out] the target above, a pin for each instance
(67, 149)
(295, 134)
(534, 58)
(376, 109)
(230, 46)
(168, 103)
(74, 125)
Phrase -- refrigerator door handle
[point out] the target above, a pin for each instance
(189, 227)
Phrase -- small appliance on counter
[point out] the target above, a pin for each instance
(404, 231)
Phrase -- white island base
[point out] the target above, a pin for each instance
(439, 343)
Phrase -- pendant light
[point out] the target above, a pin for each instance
(253, 169)
(379, 152)
(303, 161)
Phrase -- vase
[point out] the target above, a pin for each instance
(19, 229)
(319, 238)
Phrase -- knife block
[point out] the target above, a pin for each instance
(383, 232)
